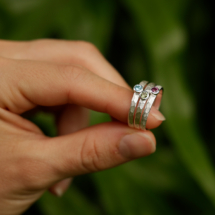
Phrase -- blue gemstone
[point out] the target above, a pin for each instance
(138, 88)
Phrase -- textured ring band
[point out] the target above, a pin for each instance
(143, 99)
(137, 91)
(154, 99)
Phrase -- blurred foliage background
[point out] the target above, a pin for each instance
(168, 42)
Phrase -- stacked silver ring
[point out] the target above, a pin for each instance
(145, 96)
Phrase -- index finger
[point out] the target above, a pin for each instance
(46, 84)
(72, 52)
(35, 83)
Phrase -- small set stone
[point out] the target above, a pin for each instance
(155, 90)
(144, 95)
(138, 88)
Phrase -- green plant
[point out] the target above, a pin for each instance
(143, 39)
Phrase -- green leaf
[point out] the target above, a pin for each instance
(97, 117)
(165, 38)
(73, 202)
(120, 194)
(74, 20)
(82, 20)
(46, 122)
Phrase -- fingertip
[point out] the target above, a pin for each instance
(155, 118)
(150, 135)
(137, 144)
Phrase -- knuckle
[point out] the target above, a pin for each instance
(87, 46)
(91, 157)
(72, 73)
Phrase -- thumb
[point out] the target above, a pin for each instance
(94, 149)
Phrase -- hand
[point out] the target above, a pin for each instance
(67, 78)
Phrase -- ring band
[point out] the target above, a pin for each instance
(137, 92)
(141, 104)
(154, 99)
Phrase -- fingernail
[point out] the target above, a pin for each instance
(158, 115)
(60, 188)
(59, 191)
(136, 145)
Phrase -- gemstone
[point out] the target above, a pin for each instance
(138, 88)
(144, 95)
(155, 90)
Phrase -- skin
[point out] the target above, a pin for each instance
(66, 78)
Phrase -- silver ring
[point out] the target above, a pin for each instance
(154, 99)
(141, 104)
(138, 88)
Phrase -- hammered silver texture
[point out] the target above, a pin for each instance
(140, 107)
(134, 102)
(148, 106)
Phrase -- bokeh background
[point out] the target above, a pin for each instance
(168, 42)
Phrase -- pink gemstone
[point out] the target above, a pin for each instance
(155, 90)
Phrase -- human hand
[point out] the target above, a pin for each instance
(66, 78)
